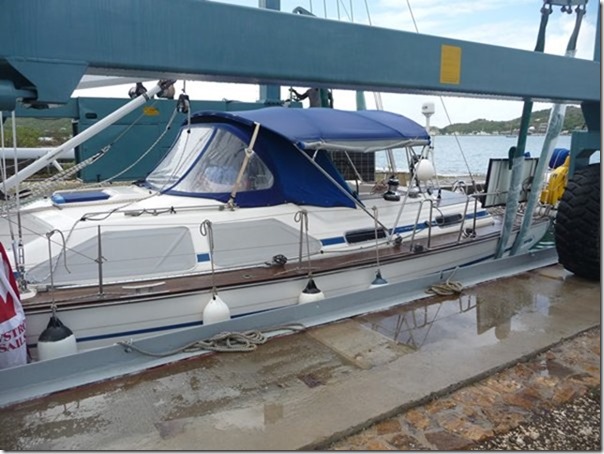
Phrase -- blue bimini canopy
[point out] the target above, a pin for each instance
(322, 128)
(290, 163)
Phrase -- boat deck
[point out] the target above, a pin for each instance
(125, 291)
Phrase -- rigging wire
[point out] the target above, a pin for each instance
(18, 247)
(5, 206)
(122, 135)
(377, 97)
(442, 101)
(368, 15)
(345, 10)
(43, 187)
(141, 157)
(15, 158)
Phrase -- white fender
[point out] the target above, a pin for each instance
(425, 170)
(216, 311)
(56, 340)
(311, 293)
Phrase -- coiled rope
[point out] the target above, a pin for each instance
(232, 342)
(447, 288)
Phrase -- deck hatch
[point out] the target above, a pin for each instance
(60, 198)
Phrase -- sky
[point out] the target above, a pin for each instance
(509, 23)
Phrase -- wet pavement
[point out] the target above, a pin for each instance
(406, 378)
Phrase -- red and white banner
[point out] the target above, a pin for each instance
(13, 348)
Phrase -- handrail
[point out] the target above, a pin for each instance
(419, 211)
(465, 211)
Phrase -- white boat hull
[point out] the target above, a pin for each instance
(107, 323)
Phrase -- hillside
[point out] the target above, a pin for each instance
(573, 120)
(33, 132)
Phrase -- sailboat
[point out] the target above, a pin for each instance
(246, 213)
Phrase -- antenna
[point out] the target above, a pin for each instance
(428, 111)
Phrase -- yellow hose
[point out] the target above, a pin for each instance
(556, 184)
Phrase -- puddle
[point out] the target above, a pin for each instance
(479, 316)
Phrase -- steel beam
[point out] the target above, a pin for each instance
(47, 45)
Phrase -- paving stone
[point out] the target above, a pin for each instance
(537, 392)
(595, 349)
(417, 419)
(439, 405)
(378, 445)
(356, 442)
(521, 399)
(458, 423)
(525, 371)
(566, 391)
(556, 369)
(587, 379)
(479, 395)
(593, 370)
(387, 427)
(503, 418)
(545, 382)
(405, 442)
(477, 432)
(446, 441)
(503, 384)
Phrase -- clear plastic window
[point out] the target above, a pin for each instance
(182, 155)
(218, 168)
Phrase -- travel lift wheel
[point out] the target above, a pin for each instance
(577, 226)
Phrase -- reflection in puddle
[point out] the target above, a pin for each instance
(481, 316)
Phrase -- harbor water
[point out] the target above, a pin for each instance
(477, 149)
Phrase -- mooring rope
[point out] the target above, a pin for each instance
(230, 342)
(447, 288)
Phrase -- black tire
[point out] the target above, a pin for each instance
(577, 227)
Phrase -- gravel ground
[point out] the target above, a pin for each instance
(575, 426)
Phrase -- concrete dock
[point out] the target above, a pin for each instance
(310, 389)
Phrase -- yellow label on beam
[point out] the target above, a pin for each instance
(450, 65)
(150, 111)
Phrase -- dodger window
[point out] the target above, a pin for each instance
(217, 169)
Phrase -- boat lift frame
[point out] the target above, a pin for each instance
(48, 45)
